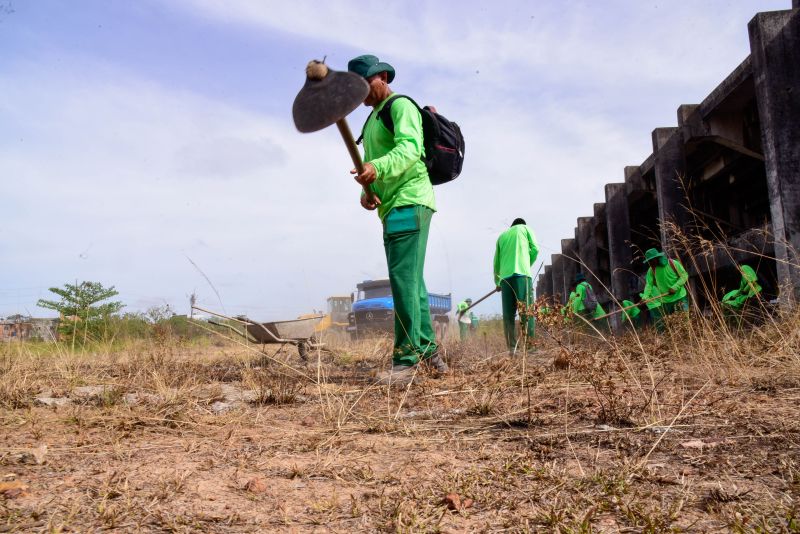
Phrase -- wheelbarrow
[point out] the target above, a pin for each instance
(297, 332)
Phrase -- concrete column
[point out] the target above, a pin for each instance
(587, 250)
(601, 243)
(775, 53)
(670, 170)
(623, 281)
(558, 276)
(569, 250)
(547, 281)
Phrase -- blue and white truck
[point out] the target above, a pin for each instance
(373, 310)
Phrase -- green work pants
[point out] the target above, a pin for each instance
(405, 238)
(515, 289)
(463, 330)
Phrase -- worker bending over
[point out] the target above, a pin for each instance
(665, 285)
(515, 253)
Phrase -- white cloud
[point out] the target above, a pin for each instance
(608, 43)
(106, 191)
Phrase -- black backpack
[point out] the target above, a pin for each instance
(589, 298)
(444, 144)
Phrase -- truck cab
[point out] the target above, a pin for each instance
(373, 309)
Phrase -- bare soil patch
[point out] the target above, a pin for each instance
(170, 437)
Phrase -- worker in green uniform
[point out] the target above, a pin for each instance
(514, 254)
(665, 284)
(396, 174)
(464, 320)
(735, 302)
(585, 305)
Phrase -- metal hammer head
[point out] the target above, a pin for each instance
(327, 96)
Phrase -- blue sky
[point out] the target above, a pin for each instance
(137, 135)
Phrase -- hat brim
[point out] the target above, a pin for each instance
(659, 255)
(381, 67)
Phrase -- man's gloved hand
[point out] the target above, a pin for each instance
(672, 291)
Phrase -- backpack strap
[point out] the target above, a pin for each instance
(384, 115)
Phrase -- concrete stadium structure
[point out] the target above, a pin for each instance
(728, 175)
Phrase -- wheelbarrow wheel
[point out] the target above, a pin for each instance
(305, 346)
(302, 350)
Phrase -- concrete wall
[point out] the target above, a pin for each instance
(728, 173)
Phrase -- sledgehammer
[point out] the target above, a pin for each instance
(327, 97)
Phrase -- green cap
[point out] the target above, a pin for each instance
(652, 254)
(368, 65)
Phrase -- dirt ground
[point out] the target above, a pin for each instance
(169, 436)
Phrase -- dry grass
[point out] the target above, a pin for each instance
(691, 431)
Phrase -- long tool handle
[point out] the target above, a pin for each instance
(609, 314)
(486, 296)
(350, 143)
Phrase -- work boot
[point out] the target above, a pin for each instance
(398, 375)
(437, 363)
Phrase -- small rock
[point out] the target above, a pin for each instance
(234, 394)
(452, 501)
(135, 399)
(86, 392)
(36, 456)
(256, 485)
(40, 454)
(698, 444)
(605, 428)
(220, 407)
(52, 401)
(467, 503)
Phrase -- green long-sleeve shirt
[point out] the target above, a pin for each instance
(515, 252)
(633, 311)
(748, 287)
(658, 281)
(402, 178)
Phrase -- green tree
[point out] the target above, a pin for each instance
(82, 314)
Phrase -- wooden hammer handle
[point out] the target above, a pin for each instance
(350, 143)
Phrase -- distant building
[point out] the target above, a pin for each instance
(22, 328)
